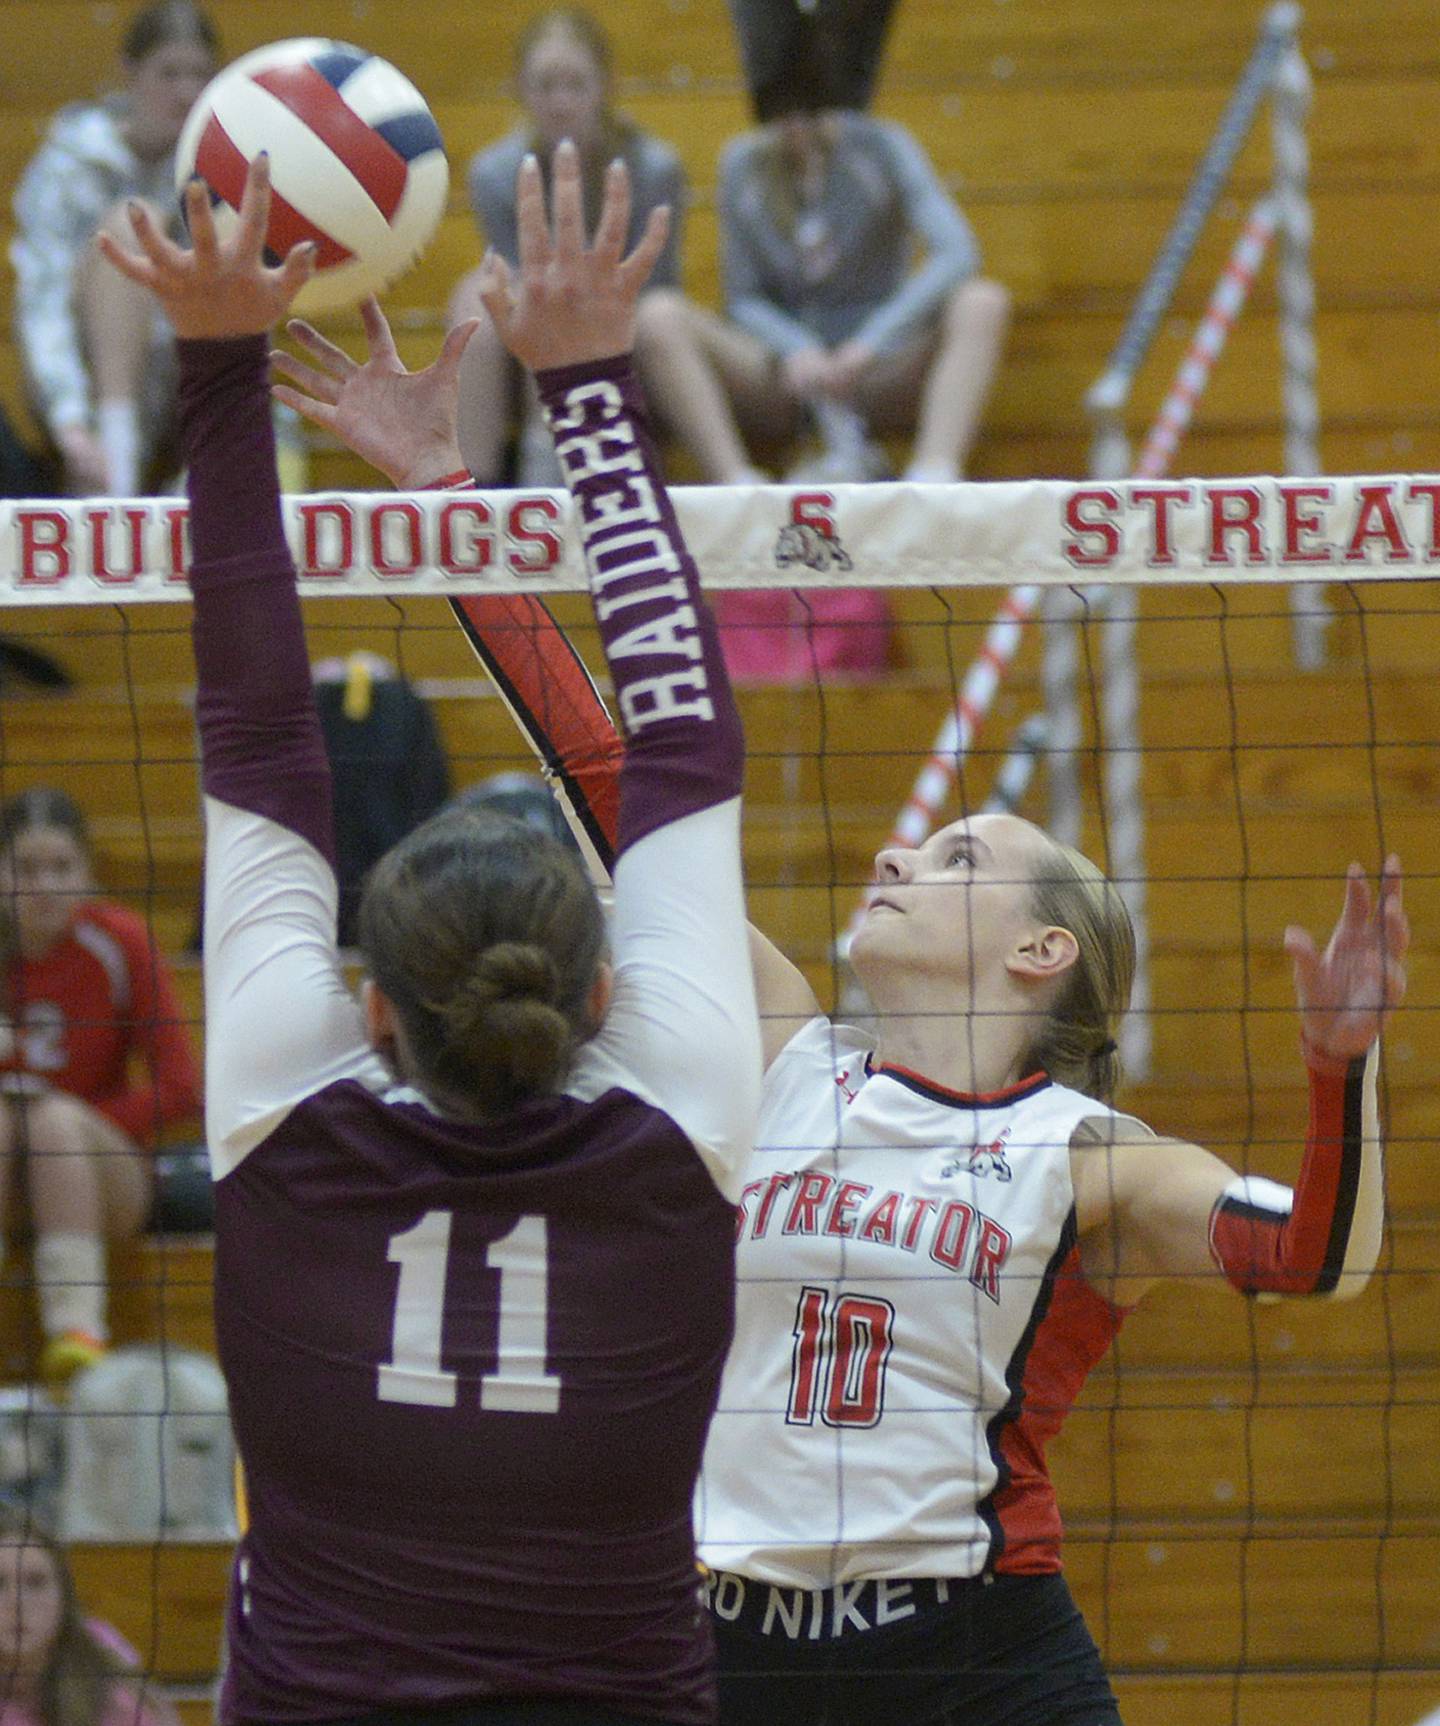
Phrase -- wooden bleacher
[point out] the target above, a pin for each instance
(1252, 1490)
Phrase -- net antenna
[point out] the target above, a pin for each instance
(1275, 71)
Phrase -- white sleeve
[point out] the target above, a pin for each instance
(280, 1022)
(683, 1031)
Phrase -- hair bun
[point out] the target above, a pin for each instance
(512, 971)
(506, 1014)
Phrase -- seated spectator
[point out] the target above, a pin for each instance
(98, 358)
(821, 216)
(58, 1667)
(563, 72)
(832, 328)
(86, 996)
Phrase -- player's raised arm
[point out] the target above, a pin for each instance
(403, 423)
(684, 998)
(272, 976)
(1179, 1211)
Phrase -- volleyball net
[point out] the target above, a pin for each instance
(1249, 1491)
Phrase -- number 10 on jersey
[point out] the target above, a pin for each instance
(837, 1369)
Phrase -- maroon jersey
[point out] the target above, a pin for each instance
(471, 1367)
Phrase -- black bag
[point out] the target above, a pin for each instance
(389, 768)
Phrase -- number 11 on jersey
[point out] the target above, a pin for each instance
(520, 1383)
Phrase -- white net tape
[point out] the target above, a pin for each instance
(1051, 532)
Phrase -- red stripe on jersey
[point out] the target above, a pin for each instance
(1078, 1326)
(1025, 1087)
(555, 703)
(221, 164)
(379, 168)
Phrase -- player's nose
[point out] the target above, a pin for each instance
(894, 863)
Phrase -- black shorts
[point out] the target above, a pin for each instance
(988, 1651)
(517, 1711)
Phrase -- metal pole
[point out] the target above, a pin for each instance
(1277, 38)
(1295, 286)
(1060, 677)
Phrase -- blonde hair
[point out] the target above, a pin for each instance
(1076, 1044)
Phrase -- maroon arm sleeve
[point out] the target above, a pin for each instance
(260, 740)
(684, 746)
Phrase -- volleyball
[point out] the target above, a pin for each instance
(357, 164)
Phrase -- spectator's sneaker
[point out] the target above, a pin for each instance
(856, 464)
(65, 1355)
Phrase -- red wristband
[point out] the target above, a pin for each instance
(456, 481)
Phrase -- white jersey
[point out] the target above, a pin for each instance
(912, 1326)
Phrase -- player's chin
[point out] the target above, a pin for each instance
(879, 938)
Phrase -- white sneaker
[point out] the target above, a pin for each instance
(857, 465)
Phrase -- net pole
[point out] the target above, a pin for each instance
(1120, 788)
(1211, 334)
(1018, 768)
(1295, 285)
(1110, 459)
(1060, 681)
(1121, 698)
(1125, 822)
(1108, 396)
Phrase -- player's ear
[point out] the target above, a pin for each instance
(1044, 954)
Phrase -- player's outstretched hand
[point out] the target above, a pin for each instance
(399, 421)
(570, 301)
(216, 288)
(1346, 992)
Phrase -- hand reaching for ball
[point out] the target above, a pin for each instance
(568, 301)
(218, 288)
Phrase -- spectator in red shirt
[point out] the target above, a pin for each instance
(94, 1061)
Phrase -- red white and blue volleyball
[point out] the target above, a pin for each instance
(357, 164)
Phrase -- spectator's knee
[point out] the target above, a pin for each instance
(56, 1125)
(662, 318)
(978, 306)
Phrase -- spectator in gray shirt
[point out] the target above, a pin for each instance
(822, 217)
(98, 357)
(563, 70)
